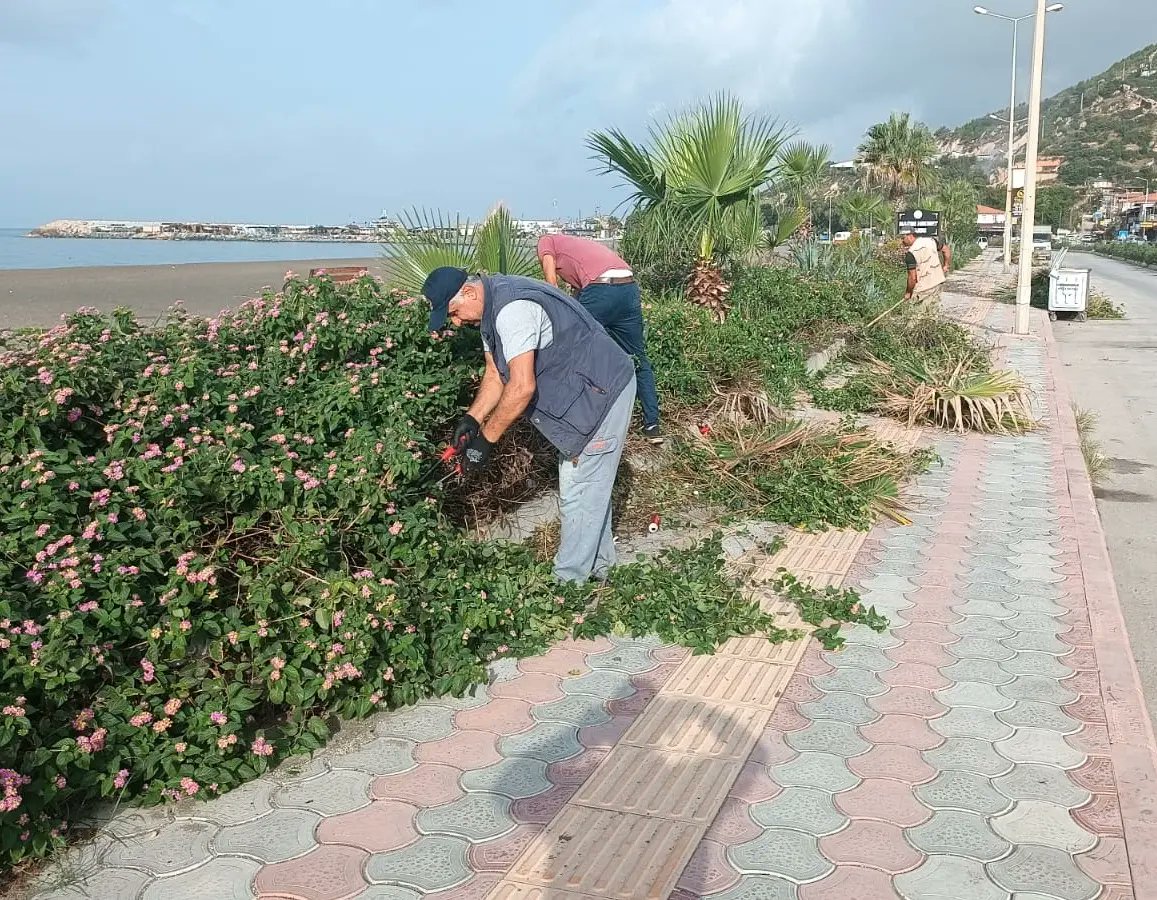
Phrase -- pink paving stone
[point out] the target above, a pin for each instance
(381, 826)
(606, 735)
(733, 824)
(754, 784)
(908, 701)
(1078, 618)
(1107, 863)
(477, 888)
(926, 654)
(680, 894)
(631, 706)
(908, 731)
(800, 690)
(893, 761)
(879, 845)
(1087, 709)
(654, 679)
(1117, 892)
(1095, 775)
(708, 872)
(535, 687)
(541, 809)
(576, 770)
(1084, 682)
(771, 749)
(672, 654)
(1101, 816)
(502, 716)
(884, 799)
(587, 647)
(927, 631)
(1081, 659)
(937, 577)
(557, 661)
(463, 750)
(1078, 636)
(787, 718)
(498, 856)
(330, 872)
(814, 664)
(1091, 739)
(424, 785)
(940, 615)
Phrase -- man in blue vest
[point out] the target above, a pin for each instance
(547, 359)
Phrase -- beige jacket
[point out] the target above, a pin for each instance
(929, 271)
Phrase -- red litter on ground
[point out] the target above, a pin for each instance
(705, 429)
(654, 526)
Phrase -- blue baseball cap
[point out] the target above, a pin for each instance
(439, 288)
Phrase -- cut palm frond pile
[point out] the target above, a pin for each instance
(952, 394)
(741, 404)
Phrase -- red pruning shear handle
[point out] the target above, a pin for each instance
(449, 454)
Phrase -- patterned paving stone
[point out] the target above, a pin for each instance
(976, 695)
(986, 671)
(424, 785)
(779, 851)
(883, 798)
(1095, 775)
(630, 657)
(602, 684)
(533, 687)
(1108, 862)
(381, 756)
(820, 770)
(910, 731)
(968, 755)
(870, 843)
(809, 810)
(1034, 714)
(859, 657)
(1041, 822)
(502, 715)
(889, 583)
(1101, 815)
(516, 777)
(475, 817)
(733, 824)
(243, 804)
(1034, 745)
(1037, 641)
(462, 750)
(963, 791)
(388, 892)
(541, 808)
(381, 826)
(829, 736)
(967, 721)
(980, 648)
(336, 792)
(174, 848)
(435, 863)
(498, 856)
(708, 871)
(987, 608)
(914, 674)
(759, 887)
(579, 710)
(111, 883)
(550, 742)
(908, 701)
(983, 627)
(949, 878)
(1040, 688)
(222, 878)
(865, 636)
(851, 883)
(851, 681)
(893, 761)
(557, 661)
(300, 768)
(281, 835)
(958, 833)
(331, 872)
(841, 707)
(1036, 664)
(479, 697)
(424, 722)
(1045, 870)
(501, 670)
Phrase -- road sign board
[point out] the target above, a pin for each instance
(921, 222)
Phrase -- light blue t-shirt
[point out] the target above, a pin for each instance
(522, 325)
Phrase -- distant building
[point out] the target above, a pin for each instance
(1048, 168)
(989, 220)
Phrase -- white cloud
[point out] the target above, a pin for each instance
(45, 23)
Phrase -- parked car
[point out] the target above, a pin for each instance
(982, 243)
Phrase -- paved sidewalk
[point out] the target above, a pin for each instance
(991, 744)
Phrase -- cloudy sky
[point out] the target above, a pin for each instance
(307, 111)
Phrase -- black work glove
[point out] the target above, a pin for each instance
(477, 454)
(464, 432)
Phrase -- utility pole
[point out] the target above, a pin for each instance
(1024, 285)
(1011, 157)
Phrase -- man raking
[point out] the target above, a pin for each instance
(928, 261)
(547, 359)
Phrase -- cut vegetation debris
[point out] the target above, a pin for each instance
(1095, 459)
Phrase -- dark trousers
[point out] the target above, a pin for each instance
(617, 307)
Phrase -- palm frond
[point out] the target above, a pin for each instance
(636, 164)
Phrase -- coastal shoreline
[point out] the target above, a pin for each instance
(35, 297)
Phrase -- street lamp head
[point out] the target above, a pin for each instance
(980, 10)
(1054, 7)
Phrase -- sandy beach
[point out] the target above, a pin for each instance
(31, 297)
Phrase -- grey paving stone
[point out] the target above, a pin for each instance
(972, 607)
(1046, 547)
(517, 777)
(1038, 574)
(425, 722)
(474, 697)
(914, 538)
(829, 736)
(1034, 745)
(1029, 663)
(1049, 608)
(967, 755)
(1038, 687)
(476, 817)
(956, 833)
(242, 804)
(862, 635)
(841, 707)
(860, 682)
(980, 561)
(948, 878)
(502, 670)
(992, 577)
(388, 892)
(890, 583)
(632, 658)
(222, 878)
(603, 684)
(975, 694)
(1037, 590)
(281, 835)
(176, 847)
(579, 710)
(126, 822)
(969, 722)
(1044, 870)
(1035, 714)
(302, 767)
(548, 741)
(1036, 621)
(1044, 823)
(809, 810)
(985, 671)
(963, 791)
(979, 648)
(379, 756)
(982, 627)
(331, 794)
(106, 884)
(984, 593)
(1037, 641)
(435, 863)
(1030, 781)
(759, 887)
(825, 771)
(859, 657)
(780, 851)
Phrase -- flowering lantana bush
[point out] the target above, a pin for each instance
(216, 533)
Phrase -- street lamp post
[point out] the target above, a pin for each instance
(984, 11)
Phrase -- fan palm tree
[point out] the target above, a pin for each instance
(707, 165)
(956, 200)
(429, 240)
(804, 176)
(862, 208)
(897, 157)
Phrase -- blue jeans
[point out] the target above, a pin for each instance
(618, 309)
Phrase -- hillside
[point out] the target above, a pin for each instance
(1104, 126)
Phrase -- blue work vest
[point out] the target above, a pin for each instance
(579, 376)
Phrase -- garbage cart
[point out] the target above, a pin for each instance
(1068, 292)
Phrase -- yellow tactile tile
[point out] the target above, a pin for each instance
(607, 854)
(512, 890)
(729, 680)
(785, 653)
(701, 727)
(667, 785)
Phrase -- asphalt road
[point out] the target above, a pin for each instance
(1111, 369)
